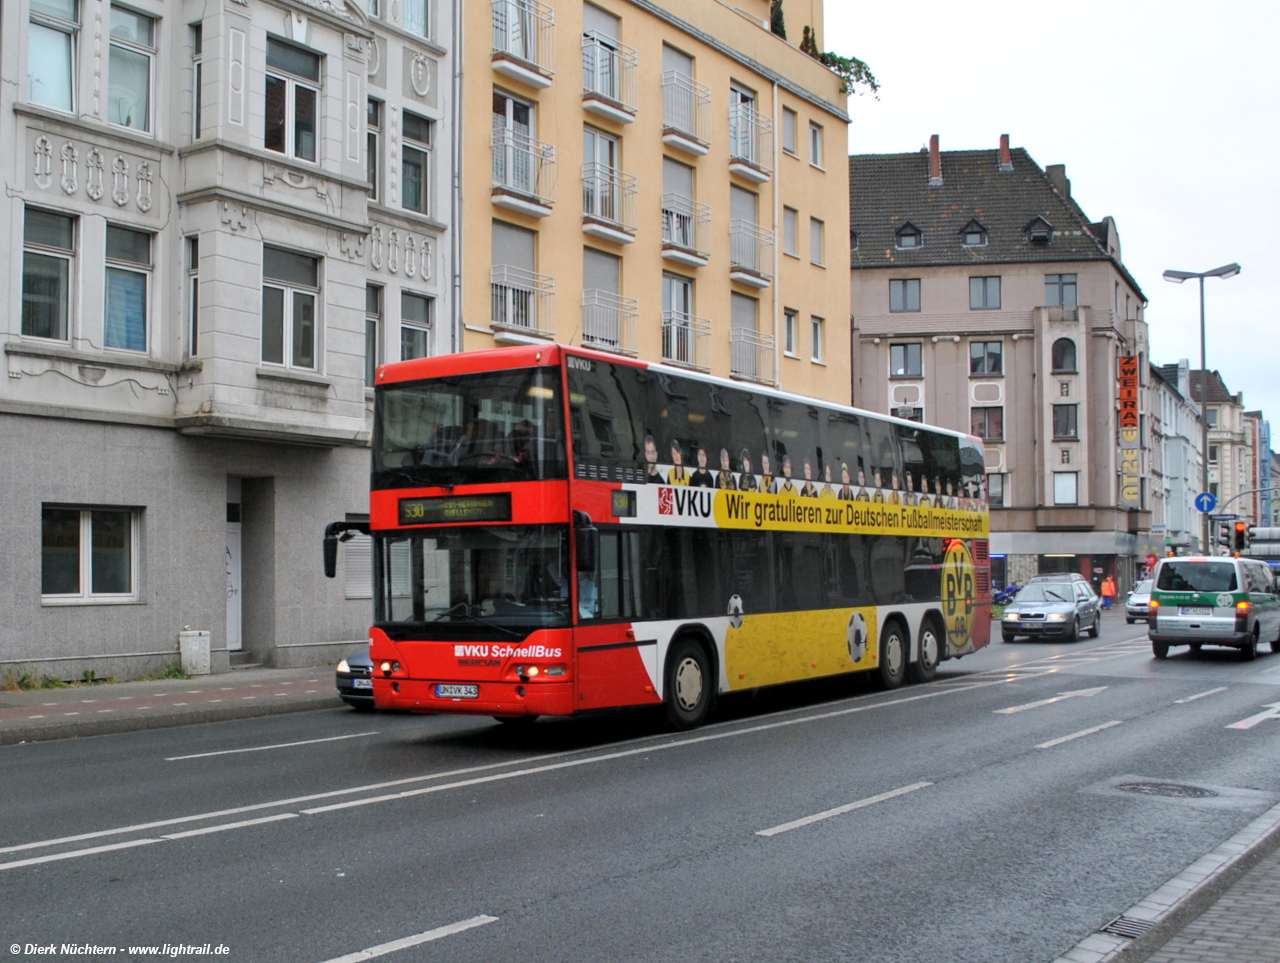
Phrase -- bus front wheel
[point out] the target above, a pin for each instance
(689, 684)
(893, 656)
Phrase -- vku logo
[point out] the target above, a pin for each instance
(685, 501)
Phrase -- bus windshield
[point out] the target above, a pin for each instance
(474, 582)
(499, 426)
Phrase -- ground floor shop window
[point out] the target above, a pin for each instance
(88, 554)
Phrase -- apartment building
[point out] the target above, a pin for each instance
(656, 179)
(1176, 431)
(1260, 463)
(221, 216)
(1230, 444)
(985, 300)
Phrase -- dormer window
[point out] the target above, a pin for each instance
(1039, 231)
(973, 234)
(909, 238)
(853, 240)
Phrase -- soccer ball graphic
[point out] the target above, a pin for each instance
(857, 637)
(735, 611)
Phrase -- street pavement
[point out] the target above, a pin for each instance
(1009, 811)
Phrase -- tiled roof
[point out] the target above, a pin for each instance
(1217, 388)
(887, 191)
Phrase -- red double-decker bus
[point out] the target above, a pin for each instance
(557, 530)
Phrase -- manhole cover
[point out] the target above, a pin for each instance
(1172, 789)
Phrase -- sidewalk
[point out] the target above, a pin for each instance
(44, 714)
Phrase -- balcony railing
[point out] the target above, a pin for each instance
(751, 355)
(608, 77)
(685, 340)
(609, 196)
(686, 226)
(524, 167)
(750, 253)
(686, 112)
(750, 142)
(524, 40)
(522, 301)
(609, 321)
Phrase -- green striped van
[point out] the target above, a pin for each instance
(1198, 601)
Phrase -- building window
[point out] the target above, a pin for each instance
(415, 192)
(293, 100)
(51, 53)
(372, 327)
(1060, 290)
(1213, 454)
(904, 360)
(1064, 421)
(790, 329)
(816, 334)
(415, 326)
(987, 423)
(1064, 356)
(995, 490)
(790, 231)
(904, 295)
(129, 70)
(290, 290)
(986, 357)
(1213, 489)
(372, 148)
(815, 144)
(1211, 416)
(375, 8)
(128, 274)
(48, 251)
(1064, 488)
(789, 131)
(816, 242)
(197, 82)
(193, 296)
(88, 554)
(417, 18)
(909, 238)
(984, 294)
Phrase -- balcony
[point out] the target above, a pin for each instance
(524, 41)
(608, 78)
(523, 172)
(609, 321)
(751, 355)
(686, 340)
(686, 230)
(522, 304)
(608, 203)
(686, 113)
(750, 254)
(750, 143)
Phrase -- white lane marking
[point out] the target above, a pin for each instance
(1076, 735)
(841, 810)
(217, 829)
(1044, 702)
(382, 949)
(410, 780)
(278, 745)
(1274, 668)
(1199, 695)
(35, 860)
(1273, 712)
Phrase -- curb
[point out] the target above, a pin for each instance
(1179, 901)
(18, 733)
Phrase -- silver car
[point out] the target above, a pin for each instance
(1138, 604)
(1052, 609)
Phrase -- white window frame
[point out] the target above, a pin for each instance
(64, 254)
(818, 337)
(86, 595)
(790, 232)
(191, 252)
(142, 50)
(289, 289)
(373, 122)
(422, 150)
(790, 331)
(373, 328)
(197, 78)
(292, 82)
(425, 6)
(1060, 484)
(817, 242)
(72, 29)
(815, 145)
(142, 270)
(427, 327)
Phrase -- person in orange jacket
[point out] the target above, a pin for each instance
(1108, 591)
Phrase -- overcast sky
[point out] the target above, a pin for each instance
(1165, 114)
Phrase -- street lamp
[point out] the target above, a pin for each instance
(1177, 277)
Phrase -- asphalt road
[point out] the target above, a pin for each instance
(981, 821)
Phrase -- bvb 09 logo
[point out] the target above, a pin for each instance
(957, 593)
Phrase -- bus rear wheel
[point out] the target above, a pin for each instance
(689, 684)
(930, 653)
(893, 656)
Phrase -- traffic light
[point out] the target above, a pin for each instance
(1241, 542)
(1224, 535)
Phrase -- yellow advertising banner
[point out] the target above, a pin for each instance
(786, 513)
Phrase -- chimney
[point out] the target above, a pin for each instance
(935, 162)
(1006, 159)
(1057, 174)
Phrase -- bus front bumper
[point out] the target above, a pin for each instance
(491, 698)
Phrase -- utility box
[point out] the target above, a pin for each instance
(193, 647)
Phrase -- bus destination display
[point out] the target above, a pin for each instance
(456, 508)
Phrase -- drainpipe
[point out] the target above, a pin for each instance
(777, 357)
(455, 212)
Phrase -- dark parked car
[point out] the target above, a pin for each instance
(1052, 607)
(355, 680)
